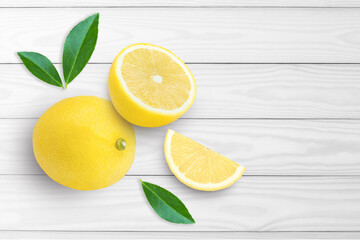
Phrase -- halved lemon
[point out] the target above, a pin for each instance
(150, 86)
(197, 166)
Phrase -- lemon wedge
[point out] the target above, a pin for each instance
(197, 166)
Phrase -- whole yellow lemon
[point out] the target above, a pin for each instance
(83, 143)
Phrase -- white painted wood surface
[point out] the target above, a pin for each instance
(35, 202)
(265, 147)
(215, 35)
(296, 127)
(224, 90)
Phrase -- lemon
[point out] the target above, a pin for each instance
(83, 143)
(150, 86)
(197, 166)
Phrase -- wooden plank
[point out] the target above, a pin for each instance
(182, 3)
(62, 235)
(215, 35)
(265, 147)
(224, 91)
(35, 202)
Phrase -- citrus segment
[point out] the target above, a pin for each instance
(197, 166)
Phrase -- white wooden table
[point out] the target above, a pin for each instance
(278, 91)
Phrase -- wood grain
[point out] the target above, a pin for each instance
(182, 3)
(265, 147)
(214, 35)
(62, 235)
(223, 90)
(253, 204)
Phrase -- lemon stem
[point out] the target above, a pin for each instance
(120, 144)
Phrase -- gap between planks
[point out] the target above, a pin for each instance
(176, 7)
(216, 63)
(171, 175)
(184, 3)
(229, 119)
(43, 234)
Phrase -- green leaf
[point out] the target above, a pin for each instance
(41, 67)
(79, 46)
(166, 204)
